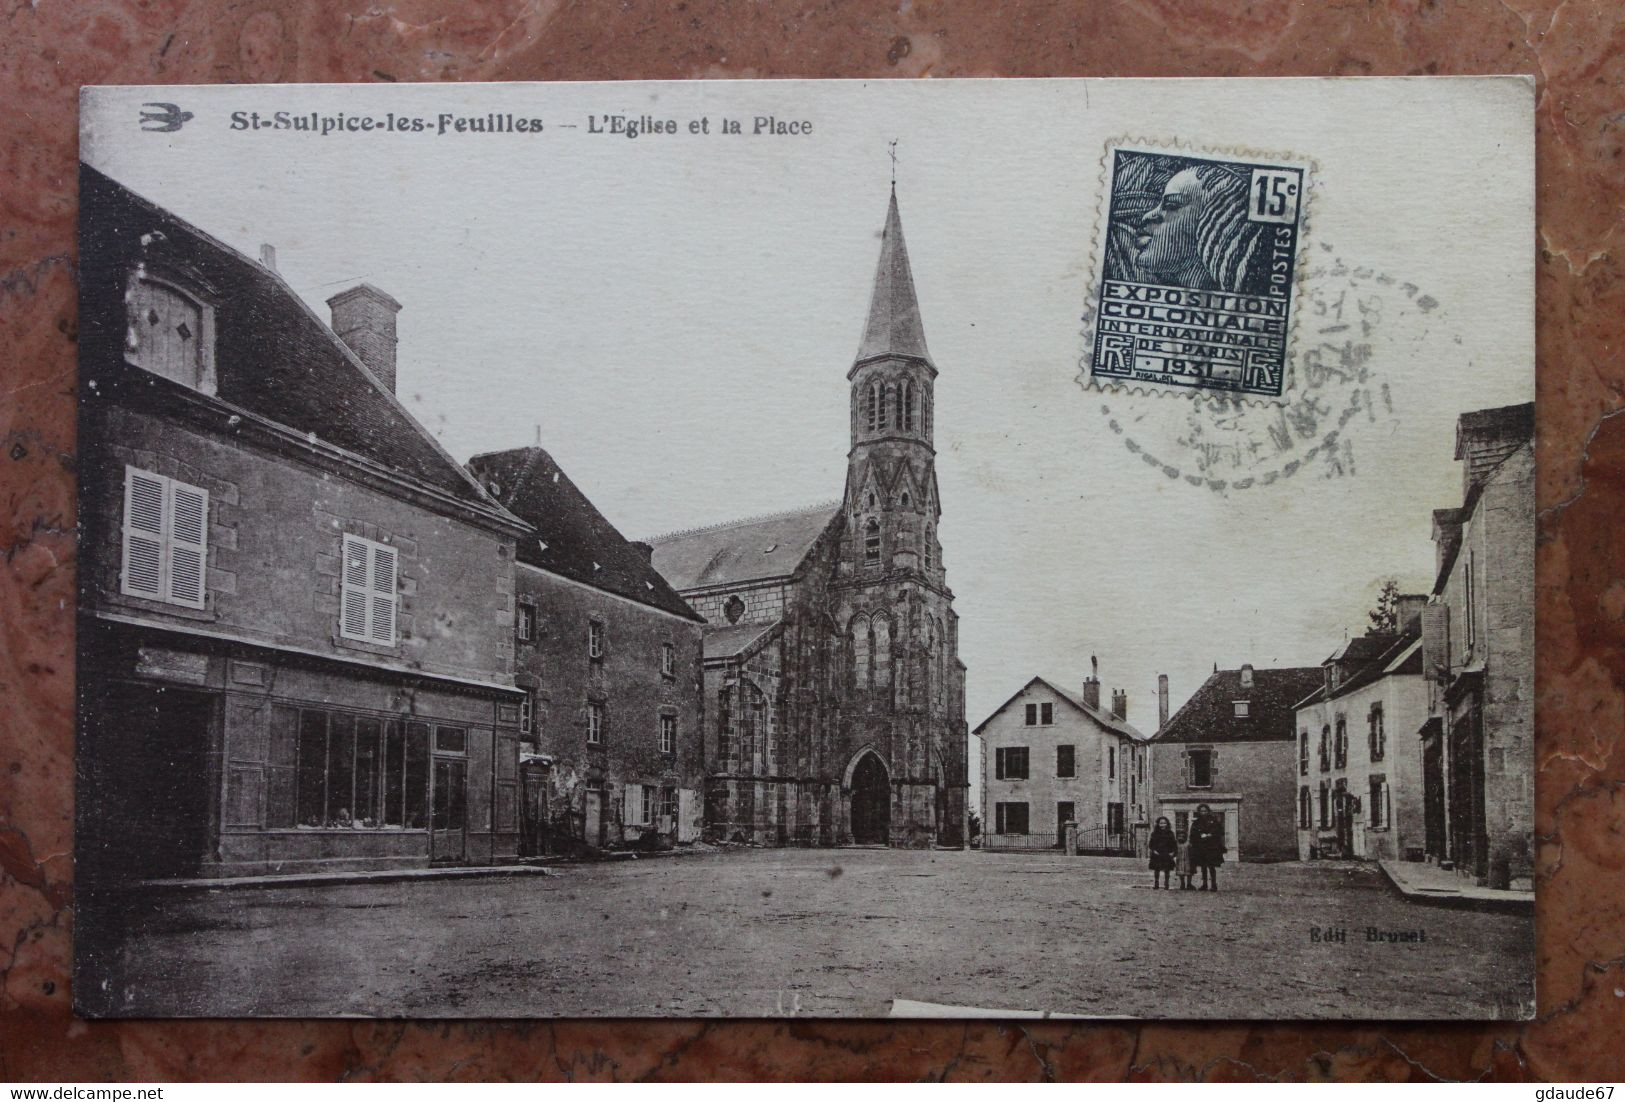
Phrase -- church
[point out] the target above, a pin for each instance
(835, 697)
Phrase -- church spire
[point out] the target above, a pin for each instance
(894, 327)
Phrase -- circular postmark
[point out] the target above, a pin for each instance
(1351, 323)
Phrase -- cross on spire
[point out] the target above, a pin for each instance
(891, 150)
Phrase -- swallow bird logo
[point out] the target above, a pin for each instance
(163, 118)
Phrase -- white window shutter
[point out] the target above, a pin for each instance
(189, 544)
(381, 627)
(634, 804)
(685, 815)
(144, 496)
(353, 622)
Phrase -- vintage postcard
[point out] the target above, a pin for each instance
(941, 548)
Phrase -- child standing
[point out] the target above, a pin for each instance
(1186, 861)
(1164, 849)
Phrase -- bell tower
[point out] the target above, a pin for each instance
(891, 491)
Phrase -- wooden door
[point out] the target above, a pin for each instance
(448, 835)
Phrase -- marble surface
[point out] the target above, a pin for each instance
(1576, 48)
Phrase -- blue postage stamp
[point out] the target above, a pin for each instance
(1198, 260)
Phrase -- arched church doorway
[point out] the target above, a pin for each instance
(871, 802)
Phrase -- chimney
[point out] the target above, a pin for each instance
(1246, 675)
(1409, 607)
(268, 256)
(1091, 684)
(1484, 437)
(1162, 701)
(364, 319)
(1120, 703)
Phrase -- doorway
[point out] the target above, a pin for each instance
(152, 749)
(448, 835)
(1065, 812)
(871, 802)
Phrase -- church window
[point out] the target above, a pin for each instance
(871, 542)
(887, 402)
(724, 723)
(860, 651)
(908, 405)
(927, 550)
(906, 500)
(882, 652)
(733, 608)
(873, 409)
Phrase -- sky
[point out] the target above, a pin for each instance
(673, 316)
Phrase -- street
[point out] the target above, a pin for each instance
(757, 933)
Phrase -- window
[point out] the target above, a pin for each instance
(367, 610)
(525, 624)
(668, 807)
(908, 405)
(1243, 709)
(668, 734)
(1326, 748)
(1199, 768)
(527, 716)
(1470, 613)
(595, 639)
(1010, 763)
(166, 539)
(169, 333)
(451, 740)
(724, 722)
(1340, 745)
(595, 724)
(1009, 818)
(882, 629)
(871, 542)
(651, 803)
(1066, 761)
(874, 406)
(1303, 752)
(1377, 735)
(1114, 818)
(1111, 763)
(342, 770)
(927, 548)
(1305, 807)
(1380, 811)
(668, 660)
(1040, 715)
(1325, 805)
(861, 645)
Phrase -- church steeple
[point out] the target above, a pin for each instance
(891, 479)
(893, 327)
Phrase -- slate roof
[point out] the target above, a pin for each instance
(727, 640)
(572, 538)
(1210, 716)
(1380, 656)
(1102, 716)
(274, 357)
(893, 327)
(749, 550)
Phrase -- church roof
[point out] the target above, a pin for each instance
(728, 640)
(748, 550)
(894, 327)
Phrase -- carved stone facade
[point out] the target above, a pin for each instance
(835, 695)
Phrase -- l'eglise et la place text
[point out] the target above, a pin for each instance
(1339, 935)
(635, 126)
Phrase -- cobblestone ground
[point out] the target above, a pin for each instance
(820, 932)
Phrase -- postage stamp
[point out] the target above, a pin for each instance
(1199, 255)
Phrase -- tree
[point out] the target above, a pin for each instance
(1385, 616)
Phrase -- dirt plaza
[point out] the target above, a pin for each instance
(849, 932)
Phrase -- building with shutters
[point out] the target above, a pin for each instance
(1052, 757)
(1233, 746)
(1478, 644)
(608, 656)
(834, 693)
(1359, 763)
(296, 611)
